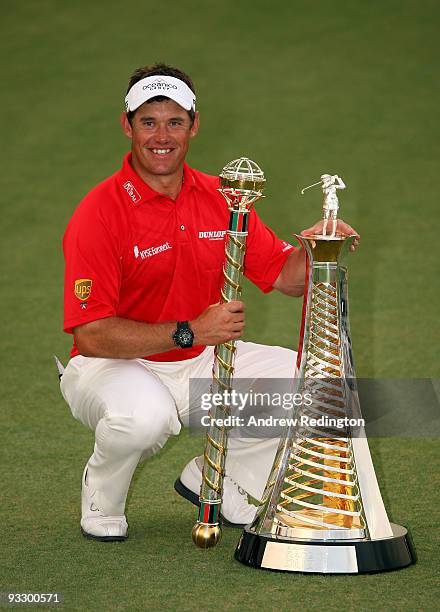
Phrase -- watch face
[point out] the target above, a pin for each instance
(183, 337)
(186, 337)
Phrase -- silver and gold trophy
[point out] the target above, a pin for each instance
(241, 184)
(322, 510)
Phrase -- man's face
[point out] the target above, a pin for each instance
(160, 135)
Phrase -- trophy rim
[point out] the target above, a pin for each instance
(320, 237)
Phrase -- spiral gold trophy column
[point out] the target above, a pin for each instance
(241, 184)
(322, 510)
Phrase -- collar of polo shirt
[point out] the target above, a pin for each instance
(156, 85)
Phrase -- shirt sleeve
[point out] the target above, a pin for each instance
(92, 268)
(265, 254)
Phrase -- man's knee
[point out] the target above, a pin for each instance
(264, 361)
(145, 433)
(142, 421)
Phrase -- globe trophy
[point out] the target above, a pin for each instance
(241, 184)
(322, 510)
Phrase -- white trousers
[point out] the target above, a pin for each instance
(135, 405)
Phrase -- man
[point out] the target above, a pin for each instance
(142, 290)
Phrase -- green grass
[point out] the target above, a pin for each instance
(302, 88)
(158, 567)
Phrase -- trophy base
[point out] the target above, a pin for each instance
(330, 557)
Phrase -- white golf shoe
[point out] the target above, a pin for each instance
(94, 523)
(236, 511)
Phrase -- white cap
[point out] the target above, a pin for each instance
(158, 85)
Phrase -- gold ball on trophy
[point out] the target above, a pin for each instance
(206, 536)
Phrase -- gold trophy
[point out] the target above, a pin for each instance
(322, 510)
(241, 184)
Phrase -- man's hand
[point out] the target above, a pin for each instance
(219, 323)
(342, 228)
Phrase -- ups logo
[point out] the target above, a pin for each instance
(83, 288)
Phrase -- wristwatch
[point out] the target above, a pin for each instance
(184, 335)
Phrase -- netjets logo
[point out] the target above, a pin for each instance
(132, 191)
(151, 250)
(159, 85)
(213, 235)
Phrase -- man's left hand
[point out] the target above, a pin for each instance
(342, 228)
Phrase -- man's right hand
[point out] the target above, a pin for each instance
(219, 323)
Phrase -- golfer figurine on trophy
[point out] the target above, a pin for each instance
(330, 204)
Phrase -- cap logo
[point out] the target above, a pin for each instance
(83, 288)
(161, 85)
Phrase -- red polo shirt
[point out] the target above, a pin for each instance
(134, 253)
